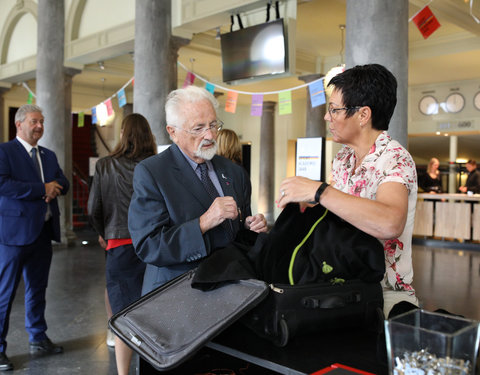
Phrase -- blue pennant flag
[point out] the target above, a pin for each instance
(122, 99)
(210, 87)
(94, 115)
(317, 93)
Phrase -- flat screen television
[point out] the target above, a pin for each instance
(258, 51)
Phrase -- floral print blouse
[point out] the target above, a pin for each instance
(387, 161)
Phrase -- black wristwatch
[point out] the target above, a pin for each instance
(320, 191)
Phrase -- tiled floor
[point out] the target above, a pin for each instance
(448, 279)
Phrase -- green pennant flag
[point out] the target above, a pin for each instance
(30, 98)
(81, 119)
(284, 102)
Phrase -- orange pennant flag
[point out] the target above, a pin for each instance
(231, 102)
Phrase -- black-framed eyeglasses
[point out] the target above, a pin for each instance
(333, 111)
(200, 129)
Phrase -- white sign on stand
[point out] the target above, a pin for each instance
(309, 161)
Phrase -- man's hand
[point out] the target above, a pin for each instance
(256, 223)
(52, 190)
(221, 209)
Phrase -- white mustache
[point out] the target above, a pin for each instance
(207, 142)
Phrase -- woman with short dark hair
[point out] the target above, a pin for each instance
(374, 181)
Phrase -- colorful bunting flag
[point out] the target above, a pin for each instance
(189, 79)
(317, 93)
(210, 87)
(257, 105)
(122, 98)
(102, 114)
(81, 119)
(426, 22)
(284, 102)
(231, 102)
(108, 104)
(30, 98)
(94, 115)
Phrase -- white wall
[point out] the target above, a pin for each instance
(102, 15)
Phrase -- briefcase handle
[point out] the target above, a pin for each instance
(331, 301)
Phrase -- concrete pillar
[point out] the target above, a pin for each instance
(127, 109)
(176, 43)
(66, 204)
(316, 125)
(452, 168)
(377, 32)
(3, 120)
(52, 95)
(266, 196)
(155, 63)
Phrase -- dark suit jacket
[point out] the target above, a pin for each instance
(473, 181)
(22, 207)
(164, 212)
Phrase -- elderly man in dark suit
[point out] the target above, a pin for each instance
(30, 181)
(188, 201)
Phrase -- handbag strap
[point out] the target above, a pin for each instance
(297, 248)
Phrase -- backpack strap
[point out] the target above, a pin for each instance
(297, 248)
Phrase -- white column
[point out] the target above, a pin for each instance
(266, 194)
(452, 172)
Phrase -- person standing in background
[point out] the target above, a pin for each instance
(108, 203)
(229, 145)
(473, 179)
(430, 182)
(30, 182)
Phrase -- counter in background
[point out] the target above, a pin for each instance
(455, 216)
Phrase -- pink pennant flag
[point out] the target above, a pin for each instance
(189, 79)
(257, 105)
(108, 103)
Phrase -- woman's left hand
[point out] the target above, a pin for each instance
(297, 189)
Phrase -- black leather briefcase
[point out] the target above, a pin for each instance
(170, 324)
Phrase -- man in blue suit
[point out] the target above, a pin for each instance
(188, 201)
(30, 181)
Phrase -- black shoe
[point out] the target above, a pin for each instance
(45, 347)
(5, 363)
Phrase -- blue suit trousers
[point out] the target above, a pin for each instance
(33, 261)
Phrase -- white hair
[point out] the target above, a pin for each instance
(22, 112)
(179, 97)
